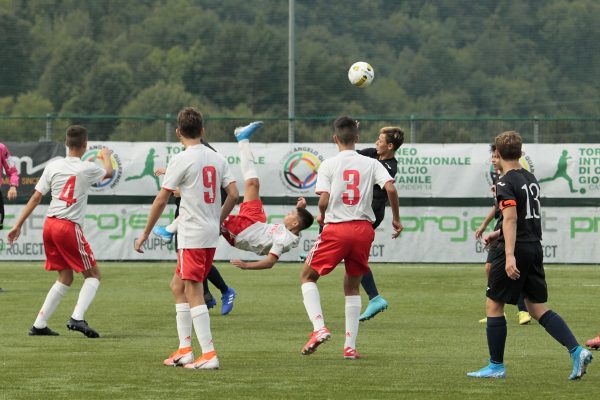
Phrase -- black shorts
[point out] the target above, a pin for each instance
(492, 248)
(379, 211)
(532, 281)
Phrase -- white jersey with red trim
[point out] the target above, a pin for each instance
(262, 239)
(199, 173)
(349, 179)
(69, 181)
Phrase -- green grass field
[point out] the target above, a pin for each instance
(420, 348)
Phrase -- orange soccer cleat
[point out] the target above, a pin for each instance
(207, 361)
(351, 354)
(180, 357)
(316, 338)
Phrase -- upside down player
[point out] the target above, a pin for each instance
(345, 188)
(517, 265)
(389, 140)
(248, 230)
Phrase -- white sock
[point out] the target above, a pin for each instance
(184, 324)
(352, 314)
(86, 295)
(172, 227)
(53, 298)
(201, 321)
(247, 160)
(312, 303)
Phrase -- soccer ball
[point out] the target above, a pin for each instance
(361, 74)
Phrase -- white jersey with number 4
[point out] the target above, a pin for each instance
(199, 173)
(69, 181)
(349, 179)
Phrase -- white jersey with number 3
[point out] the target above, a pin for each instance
(349, 179)
(69, 181)
(199, 173)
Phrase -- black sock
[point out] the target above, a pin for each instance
(521, 303)
(559, 330)
(496, 336)
(205, 286)
(368, 283)
(216, 279)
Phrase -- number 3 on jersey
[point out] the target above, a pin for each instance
(351, 196)
(66, 194)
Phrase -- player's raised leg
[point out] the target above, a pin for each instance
(376, 303)
(251, 182)
(86, 296)
(53, 298)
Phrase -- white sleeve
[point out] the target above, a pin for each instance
(94, 173)
(174, 175)
(382, 176)
(278, 243)
(43, 185)
(227, 175)
(323, 178)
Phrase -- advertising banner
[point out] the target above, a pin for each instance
(424, 170)
(431, 235)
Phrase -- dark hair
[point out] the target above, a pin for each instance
(189, 122)
(492, 147)
(393, 135)
(346, 130)
(76, 137)
(509, 145)
(305, 218)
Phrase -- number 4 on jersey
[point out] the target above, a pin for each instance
(67, 193)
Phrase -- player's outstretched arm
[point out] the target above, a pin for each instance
(158, 206)
(395, 206)
(15, 232)
(232, 198)
(488, 218)
(106, 152)
(265, 263)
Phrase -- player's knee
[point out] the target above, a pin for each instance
(253, 182)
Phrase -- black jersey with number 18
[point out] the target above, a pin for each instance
(519, 188)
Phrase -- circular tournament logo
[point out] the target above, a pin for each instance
(299, 168)
(93, 155)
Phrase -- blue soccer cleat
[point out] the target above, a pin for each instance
(376, 305)
(163, 234)
(209, 300)
(227, 301)
(246, 132)
(581, 359)
(492, 370)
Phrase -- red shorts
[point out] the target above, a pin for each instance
(66, 247)
(250, 213)
(349, 241)
(194, 264)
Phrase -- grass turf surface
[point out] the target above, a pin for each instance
(421, 347)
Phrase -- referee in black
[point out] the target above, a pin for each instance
(517, 265)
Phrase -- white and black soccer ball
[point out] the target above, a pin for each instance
(361, 74)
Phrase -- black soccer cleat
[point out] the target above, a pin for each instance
(83, 327)
(42, 332)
